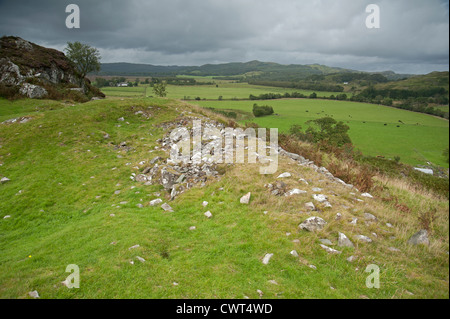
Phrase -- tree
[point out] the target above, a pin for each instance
(160, 89)
(85, 57)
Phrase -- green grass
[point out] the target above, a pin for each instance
(227, 89)
(420, 139)
(61, 194)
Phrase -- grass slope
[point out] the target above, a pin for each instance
(64, 176)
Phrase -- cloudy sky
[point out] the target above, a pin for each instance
(412, 38)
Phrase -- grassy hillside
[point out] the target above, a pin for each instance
(418, 82)
(64, 208)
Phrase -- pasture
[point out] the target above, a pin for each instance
(228, 90)
(418, 138)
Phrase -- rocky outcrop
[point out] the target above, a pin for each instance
(30, 70)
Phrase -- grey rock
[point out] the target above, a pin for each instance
(363, 238)
(208, 214)
(424, 170)
(369, 217)
(167, 207)
(155, 202)
(320, 198)
(34, 294)
(310, 206)
(284, 175)
(32, 91)
(313, 224)
(266, 259)
(343, 241)
(295, 191)
(330, 250)
(326, 242)
(246, 198)
(4, 180)
(419, 238)
(294, 253)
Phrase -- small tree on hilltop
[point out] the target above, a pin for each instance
(160, 89)
(85, 57)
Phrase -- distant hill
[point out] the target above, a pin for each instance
(417, 82)
(275, 71)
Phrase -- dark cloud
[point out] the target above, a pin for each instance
(413, 37)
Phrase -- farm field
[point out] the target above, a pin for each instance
(419, 139)
(226, 89)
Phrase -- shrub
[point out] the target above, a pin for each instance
(263, 110)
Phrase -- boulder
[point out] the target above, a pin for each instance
(312, 224)
(419, 238)
(343, 241)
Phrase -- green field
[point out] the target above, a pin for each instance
(420, 139)
(226, 89)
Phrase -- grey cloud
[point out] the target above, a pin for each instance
(413, 36)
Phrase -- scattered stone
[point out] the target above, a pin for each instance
(327, 204)
(266, 259)
(192, 228)
(121, 119)
(389, 225)
(312, 267)
(260, 293)
(134, 247)
(116, 192)
(208, 214)
(394, 249)
(4, 180)
(246, 198)
(419, 238)
(320, 198)
(140, 206)
(310, 206)
(338, 216)
(273, 282)
(363, 238)
(343, 241)
(369, 217)
(142, 260)
(294, 253)
(326, 242)
(167, 207)
(366, 195)
(284, 175)
(112, 215)
(316, 189)
(351, 259)
(156, 202)
(330, 250)
(205, 203)
(34, 294)
(313, 224)
(354, 221)
(265, 212)
(424, 170)
(295, 191)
